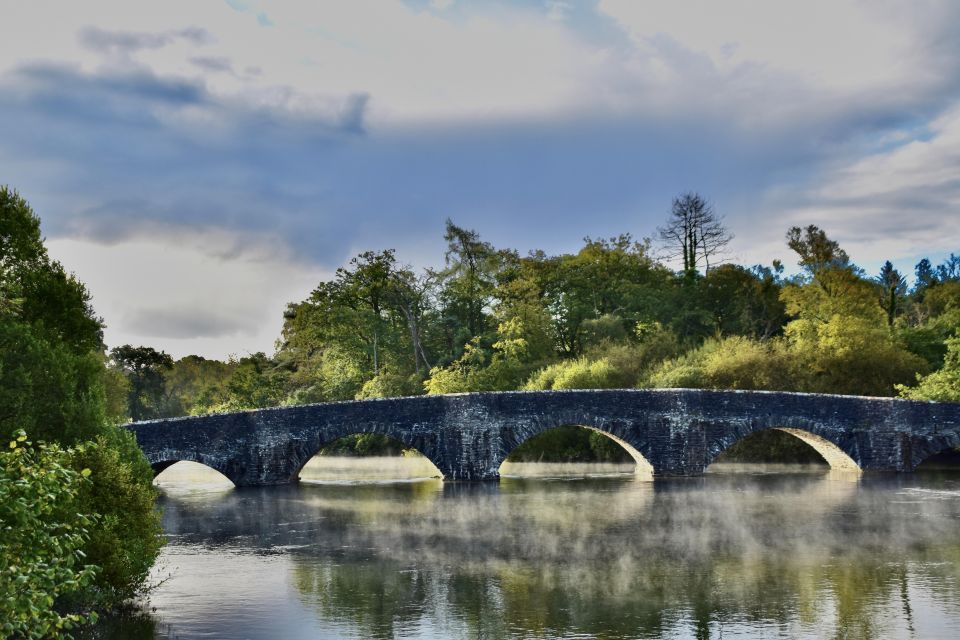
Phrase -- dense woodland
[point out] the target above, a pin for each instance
(614, 314)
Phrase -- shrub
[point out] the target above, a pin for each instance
(728, 363)
(942, 385)
(43, 531)
(126, 538)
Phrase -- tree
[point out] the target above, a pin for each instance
(744, 301)
(365, 288)
(893, 290)
(925, 276)
(144, 368)
(694, 232)
(469, 279)
(52, 380)
(830, 283)
(818, 253)
(194, 384)
(942, 385)
(44, 532)
(949, 269)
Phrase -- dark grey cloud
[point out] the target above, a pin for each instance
(128, 42)
(212, 64)
(188, 323)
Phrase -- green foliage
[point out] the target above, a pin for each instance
(127, 536)
(850, 355)
(255, 383)
(771, 445)
(942, 385)
(38, 291)
(364, 444)
(390, 385)
(569, 444)
(53, 384)
(728, 363)
(743, 301)
(580, 373)
(44, 531)
(500, 368)
(193, 384)
(144, 368)
(46, 388)
(116, 391)
(610, 364)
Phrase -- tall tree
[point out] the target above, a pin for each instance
(925, 276)
(893, 290)
(694, 232)
(365, 286)
(468, 282)
(144, 368)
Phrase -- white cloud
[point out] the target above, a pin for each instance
(844, 45)
(479, 109)
(194, 293)
(895, 204)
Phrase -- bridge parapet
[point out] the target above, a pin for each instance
(467, 436)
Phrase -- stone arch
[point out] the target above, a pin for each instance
(922, 449)
(160, 466)
(830, 451)
(620, 435)
(306, 450)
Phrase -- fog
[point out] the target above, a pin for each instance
(741, 552)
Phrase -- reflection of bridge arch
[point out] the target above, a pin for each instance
(467, 436)
(831, 452)
(421, 463)
(167, 458)
(188, 474)
(615, 432)
(408, 439)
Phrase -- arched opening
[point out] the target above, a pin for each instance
(367, 457)
(782, 448)
(172, 475)
(574, 451)
(945, 461)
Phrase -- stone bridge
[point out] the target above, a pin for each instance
(467, 436)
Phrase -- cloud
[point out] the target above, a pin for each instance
(186, 324)
(127, 42)
(212, 64)
(899, 203)
(363, 125)
(211, 294)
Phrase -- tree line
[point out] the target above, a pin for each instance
(611, 315)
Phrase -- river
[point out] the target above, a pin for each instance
(742, 552)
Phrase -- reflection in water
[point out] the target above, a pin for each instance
(351, 469)
(745, 554)
(568, 469)
(190, 477)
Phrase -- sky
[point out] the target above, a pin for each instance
(200, 164)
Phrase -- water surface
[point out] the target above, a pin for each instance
(738, 553)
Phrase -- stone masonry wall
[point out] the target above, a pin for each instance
(467, 436)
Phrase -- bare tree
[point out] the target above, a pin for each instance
(694, 232)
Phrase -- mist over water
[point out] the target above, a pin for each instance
(741, 552)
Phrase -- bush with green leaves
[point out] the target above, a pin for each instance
(128, 535)
(44, 530)
(942, 385)
(728, 363)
